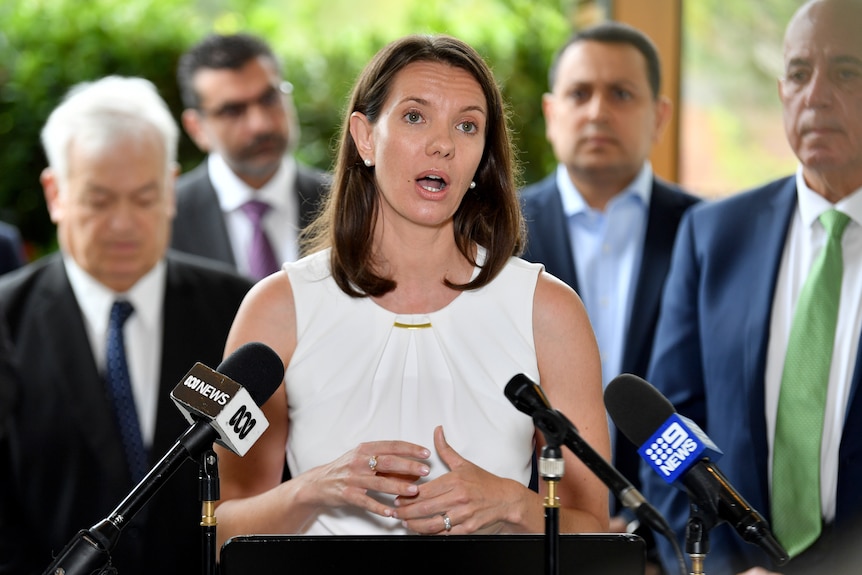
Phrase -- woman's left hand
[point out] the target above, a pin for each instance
(468, 499)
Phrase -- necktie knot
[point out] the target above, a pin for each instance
(255, 210)
(262, 260)
(834, 222)
(120, 312)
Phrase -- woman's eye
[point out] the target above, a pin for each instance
(468, 127)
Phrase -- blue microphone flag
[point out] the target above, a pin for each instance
(677, 445)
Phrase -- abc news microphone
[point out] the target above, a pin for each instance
(220, 410)
(682, 454)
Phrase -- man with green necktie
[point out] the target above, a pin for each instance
(758, 339)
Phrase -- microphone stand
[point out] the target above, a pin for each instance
(703, 515)
(555, 430)
(711, 505)
(551, 466)
(90, 550)
(209, 494)
(697, 537)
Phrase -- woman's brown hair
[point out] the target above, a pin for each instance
(489, 215)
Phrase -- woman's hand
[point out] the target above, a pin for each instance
(391, 467)
(472, 499)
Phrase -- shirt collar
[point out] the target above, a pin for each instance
(95, 300)
(573, 201)
(812, 204)
(232, 192)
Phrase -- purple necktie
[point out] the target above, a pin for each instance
(261, 257)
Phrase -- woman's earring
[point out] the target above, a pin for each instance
(368, 163)
(472, 185)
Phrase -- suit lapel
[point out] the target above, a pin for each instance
(211, 223)
(662, 222)
(200, 227)
(178, 318)
(79, 381)
(764, 249)
(549, 234)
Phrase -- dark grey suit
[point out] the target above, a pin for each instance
(548, 243)
(199, 226)
(63, 467)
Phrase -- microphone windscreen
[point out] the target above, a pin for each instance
(256, 367)
(637, 408)
(526, 395)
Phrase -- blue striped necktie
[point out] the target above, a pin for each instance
(120, 390)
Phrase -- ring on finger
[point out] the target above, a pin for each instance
(447, 523)
(372, 462)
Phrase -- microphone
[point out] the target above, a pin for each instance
(215, 397)
(529, 398)
(681, 453)
(219, 409)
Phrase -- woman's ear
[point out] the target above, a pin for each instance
(363, 136)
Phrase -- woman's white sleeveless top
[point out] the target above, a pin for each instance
(361, 373)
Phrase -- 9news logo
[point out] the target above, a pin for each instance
(673, 448)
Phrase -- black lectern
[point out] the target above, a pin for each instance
(582, 554)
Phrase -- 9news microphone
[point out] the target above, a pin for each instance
(681, 453)
(219, 410)
(528, 397)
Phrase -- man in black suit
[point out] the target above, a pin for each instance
(602, 222)
(111, 148)
(11, 249)
(8, 383)
(239, 109)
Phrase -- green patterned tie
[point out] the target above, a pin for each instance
(796, 515)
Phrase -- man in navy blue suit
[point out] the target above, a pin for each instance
(736, 275)
(602, 222)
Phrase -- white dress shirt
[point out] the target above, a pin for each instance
(142, 331)
(281, 222)
(805, 239)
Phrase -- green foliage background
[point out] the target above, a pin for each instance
(46, 46)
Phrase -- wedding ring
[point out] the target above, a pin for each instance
(372, 462)
(447, 523)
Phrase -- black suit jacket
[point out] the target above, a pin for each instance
(11, 249)
(63, 467)
(199, 226)
(548, 243)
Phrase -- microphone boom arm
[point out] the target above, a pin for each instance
(89, 551)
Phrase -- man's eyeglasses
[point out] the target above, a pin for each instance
(271, 100)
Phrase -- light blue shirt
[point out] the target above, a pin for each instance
(607, 247)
